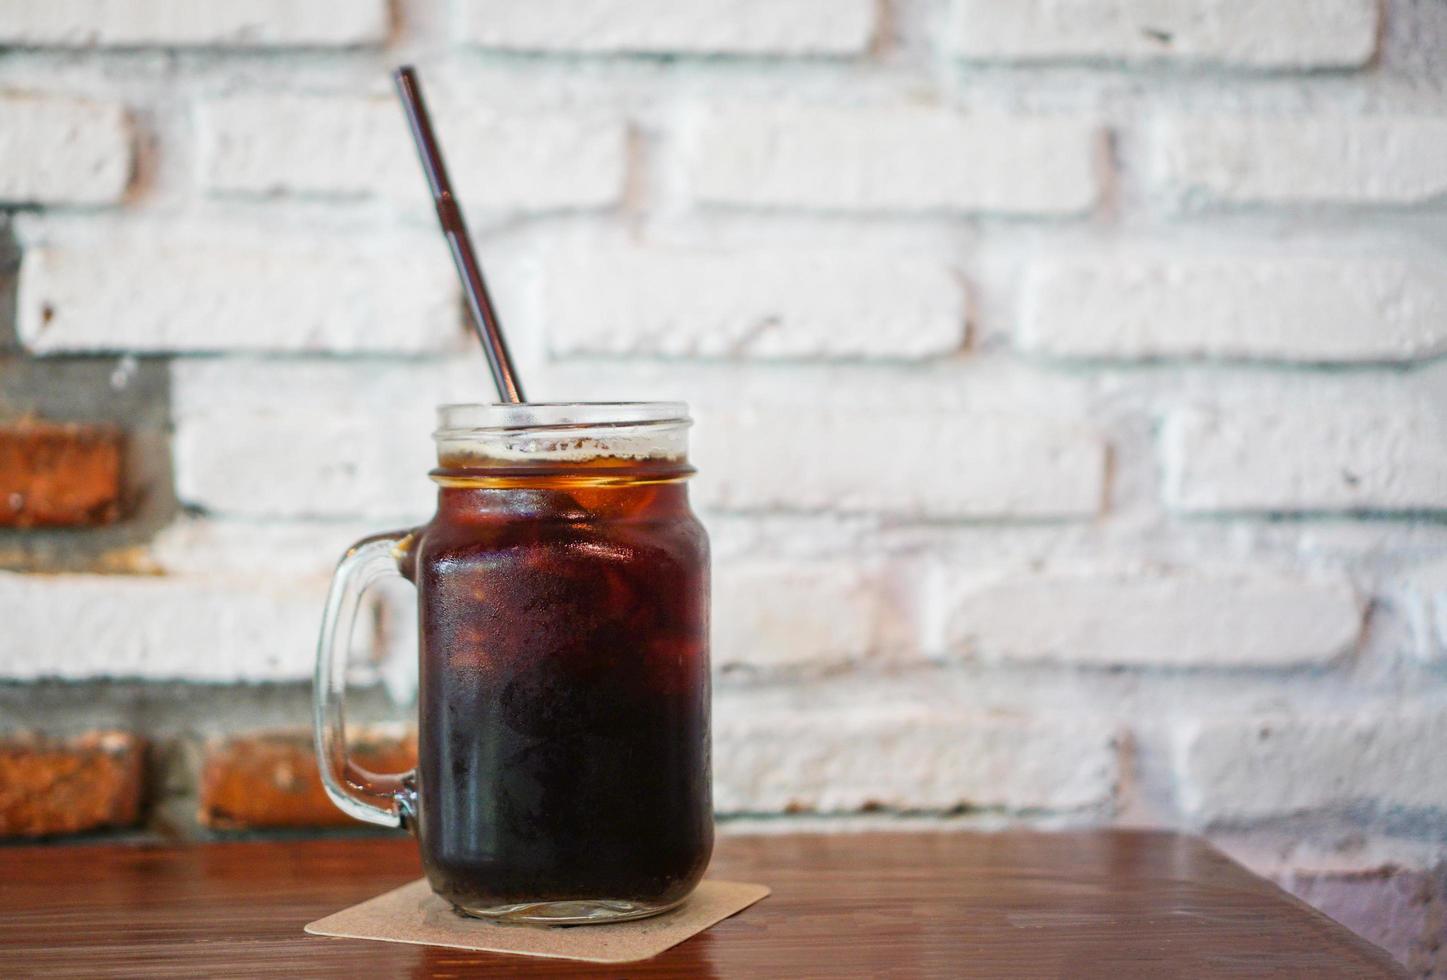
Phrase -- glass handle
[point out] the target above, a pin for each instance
(388, 799)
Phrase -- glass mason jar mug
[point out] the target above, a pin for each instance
(563, 710)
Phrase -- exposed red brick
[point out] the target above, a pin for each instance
(270, 779)
(59, 475)
(64, 786)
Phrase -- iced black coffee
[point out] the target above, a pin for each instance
(564, 702)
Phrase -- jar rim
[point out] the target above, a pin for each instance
(479, 417)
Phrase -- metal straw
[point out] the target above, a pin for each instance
(484, 317)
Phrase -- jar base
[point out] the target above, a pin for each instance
(571, 913)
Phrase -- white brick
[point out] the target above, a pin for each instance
(786, 614)
(1295, 309)
(59, 150)
(1232, 770)
(754, 304)
(904, 463)
(75, 627)
(1424, 591)
(258, 439)
(384, 645)
(349, 146)
(203, 23)
(1250, 33)
(897, 158)
(1156, 617)
(1343, 160)
(172, 291)
(199, 546)
(1323, 456)
(908, 759)
(799, 27)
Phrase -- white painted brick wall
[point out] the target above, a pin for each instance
(344, 145)
(1289, 309)
(74, 627)
(1250, 33)
(164, 288)
(1239, 769)
(344, 441)
(204, 23)
(672, 302)
(202, 553)
(62, 150)
(811, 27)
(908, 464)
(1156, 617)
(830, 761)
(200, 546)
(1333, 159)
(795, 613)
(1424, 592)
(1272, 456)
(893, 158)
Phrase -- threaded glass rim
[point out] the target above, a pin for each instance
(465, 418)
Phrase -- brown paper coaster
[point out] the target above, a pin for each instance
(413, 914)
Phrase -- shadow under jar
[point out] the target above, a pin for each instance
(563, 732)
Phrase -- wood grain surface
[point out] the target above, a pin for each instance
(1094, 904)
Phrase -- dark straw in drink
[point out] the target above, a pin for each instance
(484, 316)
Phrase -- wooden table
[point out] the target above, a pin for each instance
(1110, 904)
